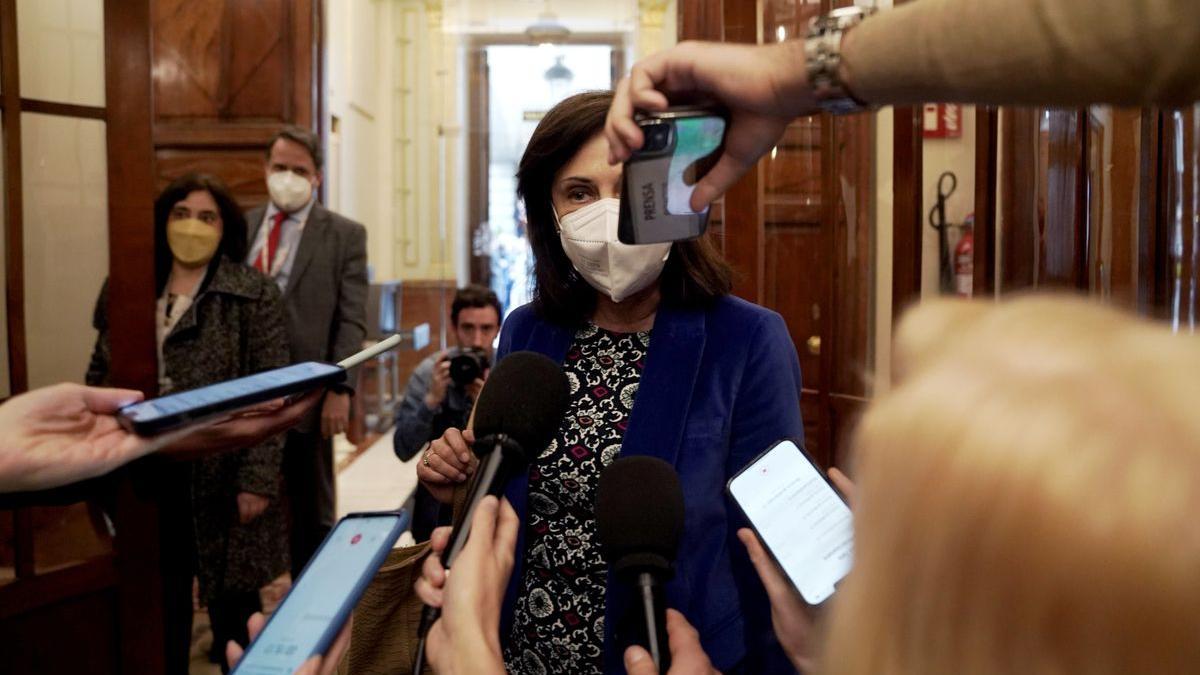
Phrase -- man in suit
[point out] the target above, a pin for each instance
(319, 260)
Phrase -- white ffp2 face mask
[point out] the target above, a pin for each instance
(589, 238)
(288, 191)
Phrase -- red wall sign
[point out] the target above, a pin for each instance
(943, 120)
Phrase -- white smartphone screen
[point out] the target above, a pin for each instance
(323, 595)
(805, 524)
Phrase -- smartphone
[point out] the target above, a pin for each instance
(681, 145)
(157, 415)
(314, 610)
(800, 517)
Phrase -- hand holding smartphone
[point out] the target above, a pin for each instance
(681, 145)
(802, 520)
(321, 599)
(159, 415)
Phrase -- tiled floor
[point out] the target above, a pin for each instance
(374, 481)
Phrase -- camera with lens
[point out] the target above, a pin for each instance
(467, 364)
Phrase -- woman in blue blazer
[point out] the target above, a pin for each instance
(663, 362)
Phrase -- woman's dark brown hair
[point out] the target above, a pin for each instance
(233, 223)
(694, 275)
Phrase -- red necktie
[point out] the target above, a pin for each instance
(271, 246)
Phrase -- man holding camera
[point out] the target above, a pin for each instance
(444, 386)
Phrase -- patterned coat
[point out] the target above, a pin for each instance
(234, 327)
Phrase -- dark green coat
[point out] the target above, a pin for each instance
(234, 327)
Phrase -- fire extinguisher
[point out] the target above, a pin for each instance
(964, 259)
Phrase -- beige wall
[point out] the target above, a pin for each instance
(396, 84)
(957, 155)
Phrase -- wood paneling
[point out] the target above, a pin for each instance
(57, 638)
(987, 132)
(744, 235)
(478, 162)
(701, 20)
(227, 75)
(131, 320)
(1064, 241)
(14, 239)
(907, 218)
(1019, 205)
(424, 302)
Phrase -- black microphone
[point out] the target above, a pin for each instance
(639, 515)
(519, 410)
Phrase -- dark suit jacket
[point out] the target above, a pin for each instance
(720, 386)
(325, 301)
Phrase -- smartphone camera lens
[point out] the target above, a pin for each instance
(658, 137)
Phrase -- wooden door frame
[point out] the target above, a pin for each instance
(479, 132)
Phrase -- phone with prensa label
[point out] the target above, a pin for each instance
(681, 145)
(309, 617)
(802, 520)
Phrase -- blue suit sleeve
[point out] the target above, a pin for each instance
(767, 409)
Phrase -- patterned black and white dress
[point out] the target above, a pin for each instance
(558, 624)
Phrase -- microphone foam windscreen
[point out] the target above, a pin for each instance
(639, 514)
(525, 396)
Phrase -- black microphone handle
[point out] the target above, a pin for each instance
(490, 479)
(654, 613)
(485, 484)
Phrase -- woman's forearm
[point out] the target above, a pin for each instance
(1043, 52)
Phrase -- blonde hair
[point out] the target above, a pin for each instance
(1028, 498)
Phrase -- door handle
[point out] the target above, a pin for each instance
(814, 345)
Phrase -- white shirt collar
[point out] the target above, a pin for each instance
(300, 216)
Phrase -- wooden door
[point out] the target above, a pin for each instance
(78, 191)
(227, 76)
(799, 230)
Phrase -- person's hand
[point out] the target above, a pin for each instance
(687, 656)
(789, 613)
(447, 462)
(62, 434)
(843, 483)
(466, 638)
(335, 414)
(250, 506)
(763, 87)
(316, 665)
(244, 429)
(440, 384)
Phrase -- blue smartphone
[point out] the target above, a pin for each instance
(311, 614)
(172, 411)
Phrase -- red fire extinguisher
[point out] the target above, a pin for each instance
(964, 259)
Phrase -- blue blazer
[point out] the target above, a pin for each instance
(720, 386)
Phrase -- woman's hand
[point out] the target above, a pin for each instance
(466, 639)
(62, 434)
(250, 506)
(317, 665)
(447, 462)
(687, 656)
(789, 613)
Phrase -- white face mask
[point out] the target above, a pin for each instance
(289, 192)
(589, 238)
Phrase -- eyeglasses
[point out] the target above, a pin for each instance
(206, 217)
